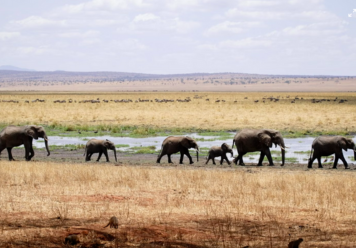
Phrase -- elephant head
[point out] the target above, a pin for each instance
(190, 143)
(269, 137)
(227, 149)
(37, 132)
(346, 143)
(111, 146)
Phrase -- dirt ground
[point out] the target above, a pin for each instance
(131, 159)
(186, 231)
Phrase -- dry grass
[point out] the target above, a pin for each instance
(199, 113)
(41, 203)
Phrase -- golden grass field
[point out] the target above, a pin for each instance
(42, 202)
(235, 113)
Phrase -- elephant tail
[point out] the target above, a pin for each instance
(85, 151)
(160, 152)
(233, 142)
(311, 150)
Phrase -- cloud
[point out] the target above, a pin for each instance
(90, 33)
(245, 43)
(103, 5)
(8, 35)
(317, 29)
(148, 23)
(145, 17)
(127, 45)
(232, 27)
(38, 21)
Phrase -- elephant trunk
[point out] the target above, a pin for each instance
(197, 154)
(115, 154)
(46, 144)
(283, 151)
(355, 154)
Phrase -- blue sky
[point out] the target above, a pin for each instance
(304, 37)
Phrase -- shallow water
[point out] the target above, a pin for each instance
(294, 146)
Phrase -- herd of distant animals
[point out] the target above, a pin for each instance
(246, 140)
(187, 99)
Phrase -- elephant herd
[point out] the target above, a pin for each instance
(246, 140)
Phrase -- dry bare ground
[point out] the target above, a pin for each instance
(222, 111)
(41, 203)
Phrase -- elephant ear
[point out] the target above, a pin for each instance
(343, 144)
(265, 139)
(32, 132)
(107, 143)
(224, 147)
(186, 142)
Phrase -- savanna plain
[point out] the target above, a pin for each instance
(161, 205)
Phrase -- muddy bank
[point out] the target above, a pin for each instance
(131, 159)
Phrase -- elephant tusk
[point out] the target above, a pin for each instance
(282, 148)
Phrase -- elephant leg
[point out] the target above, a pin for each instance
(236, 159)
(319, 162)
(310, 162)
(106, 155)
(221, 160)
(186, 152)
(11, 158)
(262, 156)
(269, 156)
(31, 153)
(227, 160)
(100, 153)
(27, 155)
(344, 161)
(213, 161)
(240, 159)
(207, 160)
(169, 158)
(336, 159)
(159, 158)
(88, 156)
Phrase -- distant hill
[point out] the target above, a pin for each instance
(13, 68)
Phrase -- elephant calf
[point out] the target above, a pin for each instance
(328, 145)
(99, 146)
(219, 151)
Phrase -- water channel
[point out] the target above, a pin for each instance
(298, 148)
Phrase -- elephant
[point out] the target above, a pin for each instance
(219, 151)
(12, 136)
(252, 140)
(99, 146)
(174, 144)
(327, 145)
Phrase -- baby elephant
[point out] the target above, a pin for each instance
(219, 151)
(99, 146)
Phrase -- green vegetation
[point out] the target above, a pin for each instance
(135, 131)
(143, 149)
(66, 147)
(122, 145)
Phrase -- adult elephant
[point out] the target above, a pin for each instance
(252, 140)
(12, 136)
(99, 146)
(174, 144)
(327, 145)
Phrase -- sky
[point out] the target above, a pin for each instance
(288, 37)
